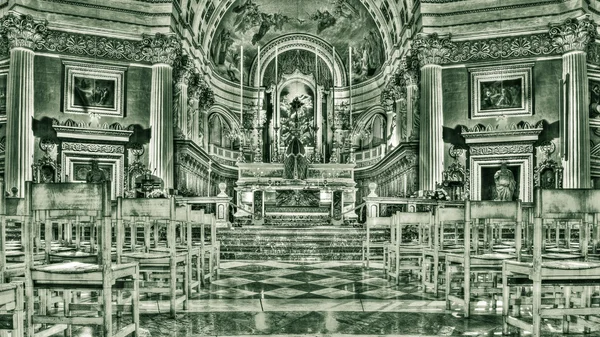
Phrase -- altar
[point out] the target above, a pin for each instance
(325, 196)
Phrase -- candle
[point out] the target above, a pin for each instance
(276, 63)
(241, 86)
(350, 82)
(258, 71)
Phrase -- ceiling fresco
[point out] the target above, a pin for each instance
(253, 23)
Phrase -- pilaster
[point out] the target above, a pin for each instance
(573, 37)
(163, 51)
(431, 51)
(24, 36)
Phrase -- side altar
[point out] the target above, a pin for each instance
(324, 194)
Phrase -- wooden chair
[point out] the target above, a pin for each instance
(434, 256)
(478, 273)
(576, 278)
(369, 246)
(162, 264)
(402, 255)
(67, 200)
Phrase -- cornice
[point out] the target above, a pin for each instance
(487, 9)
(522, 132)
(92, 134)
(116, 9)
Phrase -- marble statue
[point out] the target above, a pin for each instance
(505, 184)
(95, 174)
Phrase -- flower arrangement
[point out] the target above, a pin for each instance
(438, 194)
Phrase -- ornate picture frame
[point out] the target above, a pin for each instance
(93, 88)
(501, 91)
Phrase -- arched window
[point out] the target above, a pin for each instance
(378, 130)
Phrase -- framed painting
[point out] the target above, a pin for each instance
(93, 89)
(498, 91)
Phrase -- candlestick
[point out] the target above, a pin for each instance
(241, 86)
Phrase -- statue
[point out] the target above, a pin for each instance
(505, 184)
(95, 174)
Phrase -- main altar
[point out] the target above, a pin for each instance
(296, 192)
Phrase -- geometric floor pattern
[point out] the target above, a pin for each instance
(305, 280)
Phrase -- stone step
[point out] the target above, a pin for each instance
(295, 243)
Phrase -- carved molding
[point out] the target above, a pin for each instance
(548, 164)
(482, 150)
(432, 49)
(161, 48)
(93, 46)
(22, 31)
(573, 34)
(503, 48)
(95, 148)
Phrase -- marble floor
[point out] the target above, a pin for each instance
(274, 298)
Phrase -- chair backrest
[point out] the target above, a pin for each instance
(500, 210)
(413, 218)
(69, 199)
(379, 222)
(566, 203)
(155, 209)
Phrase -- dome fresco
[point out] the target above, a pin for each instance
(253, 23)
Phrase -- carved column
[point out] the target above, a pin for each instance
(24, 36)
(573, 37)
(183, 73)
(431, 51)
(162, 51)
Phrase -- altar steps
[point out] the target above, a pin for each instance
(315, 243)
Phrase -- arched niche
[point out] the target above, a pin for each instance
(297, 85)
(322, 49)
(219, 131)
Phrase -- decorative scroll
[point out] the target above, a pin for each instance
(501, 149)
(87, 147)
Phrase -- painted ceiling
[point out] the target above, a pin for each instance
(253, 23)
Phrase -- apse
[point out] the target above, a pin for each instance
(250, 24)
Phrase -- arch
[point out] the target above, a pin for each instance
(219, 128)
(365, 125)
(223, 6)
(307, 42)
(232, 118)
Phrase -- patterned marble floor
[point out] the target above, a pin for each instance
(316, 299)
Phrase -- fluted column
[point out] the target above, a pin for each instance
(573, 37)
(164, 51)
(431, 51)
(24, 35)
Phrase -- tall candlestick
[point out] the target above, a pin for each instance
(350, 84)
(241, 86)
(316, 67)
(258, 71)
(276, 64)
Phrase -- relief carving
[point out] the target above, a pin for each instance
(23, 31)
(501, 149)
(573, 34)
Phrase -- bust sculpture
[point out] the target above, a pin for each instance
(95, 174)
(505, 184)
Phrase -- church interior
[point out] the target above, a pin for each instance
(299, 168)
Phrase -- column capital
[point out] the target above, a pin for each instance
(432, 49)
(22, 31)
(573, 34)
(161, 48)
